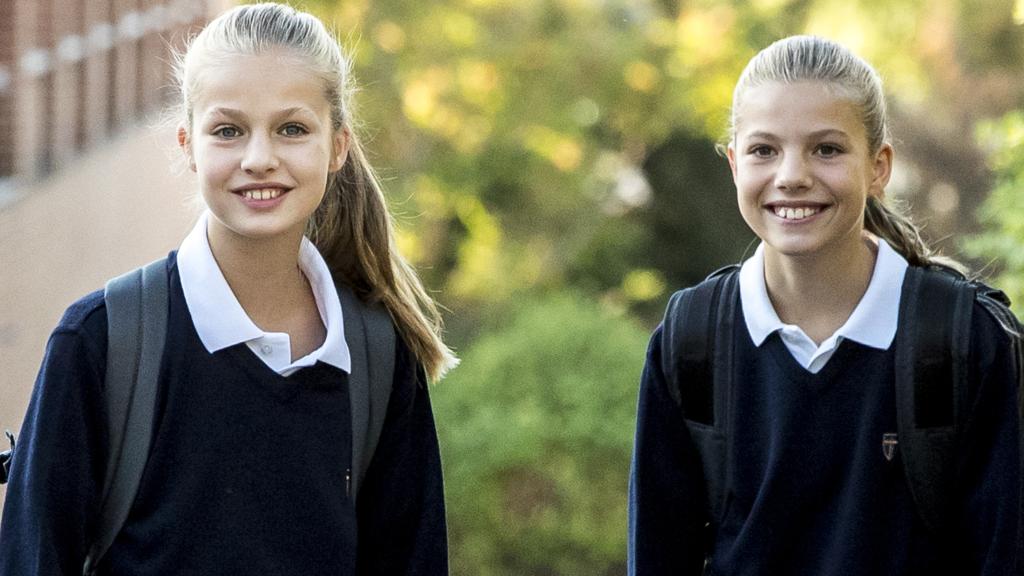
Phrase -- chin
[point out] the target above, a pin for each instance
(263, 228)
(795, 249)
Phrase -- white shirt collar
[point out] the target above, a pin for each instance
(872, 323)
(221, 322)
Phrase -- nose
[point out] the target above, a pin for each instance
(793, 173)
(259, 156)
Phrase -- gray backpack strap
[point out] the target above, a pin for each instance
(136, 330)
(370, 336)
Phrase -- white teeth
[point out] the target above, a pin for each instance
(263, 194)
(795, 213)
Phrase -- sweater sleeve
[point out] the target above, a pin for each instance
(667, 511)
(58, 462)
(402, 529)
(991, 456)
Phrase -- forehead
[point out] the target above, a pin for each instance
(797, 108)
(257, 84)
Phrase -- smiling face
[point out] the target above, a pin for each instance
(803, 169)
(263, 144)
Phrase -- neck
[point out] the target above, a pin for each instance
(819, 292)
(263, 273)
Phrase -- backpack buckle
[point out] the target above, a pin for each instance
(5, 459)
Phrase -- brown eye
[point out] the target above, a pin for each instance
(762, 151)
(829, 150)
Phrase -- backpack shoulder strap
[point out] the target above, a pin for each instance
(370, 335)
(697, 342)
(136, 330)
(697, 346)
(932, 355)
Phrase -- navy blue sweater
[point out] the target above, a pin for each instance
(808, 488)
(247, 471)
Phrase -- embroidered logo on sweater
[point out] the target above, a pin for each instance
(889, 442)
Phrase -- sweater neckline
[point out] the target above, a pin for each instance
(839, 362)
(318, 377)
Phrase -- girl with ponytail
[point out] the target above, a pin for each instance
(769, 440)
(250, 468)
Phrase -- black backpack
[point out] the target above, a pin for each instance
(931, 375)
(136, 305)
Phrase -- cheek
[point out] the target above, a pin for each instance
(749, 182)
(315, 163)
(213, 164)
(749, 186)
(847, 178)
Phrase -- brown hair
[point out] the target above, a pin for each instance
(803, 58)
(352, 227)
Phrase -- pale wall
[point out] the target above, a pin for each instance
(121, 206)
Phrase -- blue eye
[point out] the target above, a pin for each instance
(294, 130)
(227, 132)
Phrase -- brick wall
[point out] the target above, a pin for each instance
(73, 73)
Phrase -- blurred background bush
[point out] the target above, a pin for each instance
(536, 427)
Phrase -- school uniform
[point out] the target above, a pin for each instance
(248, 469)
(810, 489)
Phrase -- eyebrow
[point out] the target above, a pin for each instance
(239, 114)
(817, 134)
(830, 133)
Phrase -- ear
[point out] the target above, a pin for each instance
(730, 153)
(186, 146)
(339, 149)
(881, 171)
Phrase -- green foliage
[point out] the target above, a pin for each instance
(511, 134)
(519, 129)
(1002, 214)
(536, 431)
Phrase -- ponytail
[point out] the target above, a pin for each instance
(353, 230)
(904, 236)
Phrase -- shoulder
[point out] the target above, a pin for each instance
(85, 316)
(993, 306)
(76, 351)
(690, 310)
(708, 285)
(994, 328)
(989, 309)
(409, 372)
(79, 341)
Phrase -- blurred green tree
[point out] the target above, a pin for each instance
(1002, 214)
(536, 430)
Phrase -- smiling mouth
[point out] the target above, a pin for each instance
(788, 213)
(261, 193)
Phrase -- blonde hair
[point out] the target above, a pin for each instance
(811, 58)
(352, 227)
